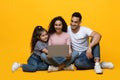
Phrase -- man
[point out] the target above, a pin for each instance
(89, 53)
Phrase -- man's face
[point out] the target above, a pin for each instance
(75, 23)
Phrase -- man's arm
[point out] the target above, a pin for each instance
(96, 37)
(95, 40)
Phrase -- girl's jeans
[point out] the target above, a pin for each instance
(34, 63)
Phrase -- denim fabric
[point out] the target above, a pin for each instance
(59, 60)
(54, 61)
(73, 58)
(82, 62)
(34, 63)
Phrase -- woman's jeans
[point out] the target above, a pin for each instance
(34, 63)
(59, 60)
(82, 62)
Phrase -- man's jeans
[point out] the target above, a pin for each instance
(82, 62)
(59, 60)
(34, 63)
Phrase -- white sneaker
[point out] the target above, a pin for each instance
(15, 66)
(97, 68)
(70, 67)
(49, 68)
(107, 65)
(52, 68)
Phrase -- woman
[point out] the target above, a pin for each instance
(58, 36)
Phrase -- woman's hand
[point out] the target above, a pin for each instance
(68, 56)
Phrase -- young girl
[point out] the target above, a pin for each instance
(38, 46)
(58, 36)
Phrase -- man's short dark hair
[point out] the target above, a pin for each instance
(77, 14)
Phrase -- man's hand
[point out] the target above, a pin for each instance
(89, 53)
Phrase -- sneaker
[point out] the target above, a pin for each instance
(70, 67)
(107, 65)
(15, 66)
(97, 68)
(52, 68)
(49, 68)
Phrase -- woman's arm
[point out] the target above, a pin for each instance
(69, 43)
(50, 41)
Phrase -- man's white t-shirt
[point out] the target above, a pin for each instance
(79, 40)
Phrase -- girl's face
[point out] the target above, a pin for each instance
(44, 36)
(58, 26)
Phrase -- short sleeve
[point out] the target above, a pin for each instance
(88, 31)
(40, 46)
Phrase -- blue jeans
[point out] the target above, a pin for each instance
(59, 60)
(34, 63)
(82, 62)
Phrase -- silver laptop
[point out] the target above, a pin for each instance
(58, 50)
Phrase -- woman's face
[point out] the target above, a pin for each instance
(58, 26)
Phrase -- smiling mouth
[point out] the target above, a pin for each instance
(45, 40)
(57, 28)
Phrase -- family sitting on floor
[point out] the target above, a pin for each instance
(82, 53)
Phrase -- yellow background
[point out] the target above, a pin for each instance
(19, 17)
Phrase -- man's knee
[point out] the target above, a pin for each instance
(78, 63)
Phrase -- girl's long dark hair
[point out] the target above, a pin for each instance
(51, 29)
(36, 36)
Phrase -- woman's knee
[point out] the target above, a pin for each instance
(75, 54)
(43, 56)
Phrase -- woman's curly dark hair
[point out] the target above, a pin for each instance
(52, 30)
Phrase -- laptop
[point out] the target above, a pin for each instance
(58, 50)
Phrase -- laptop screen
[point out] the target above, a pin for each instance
(58, 50)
